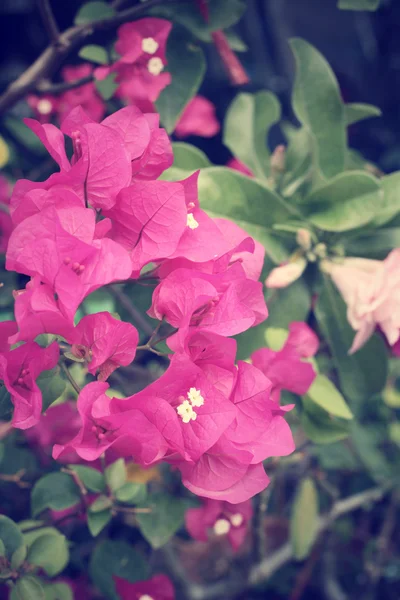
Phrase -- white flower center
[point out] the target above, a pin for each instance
(221, 527)
(185, 409)
(186, 412)
(155, 65)
(44, 106)
(145, 597)
(237, 520)
(191, 221)
(149, 45)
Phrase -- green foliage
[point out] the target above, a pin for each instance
(58, 591)
(188, 157)
(107, 86)
(57, 491)
(358, 112)
(28, 588)
(10, 536)
(6, 406)
(94, 53)
(327, 396)
(118, 558)
(358, 4)
(187, 66)
(50, 553)
(246, 127)
(52, 386)
(116, 474)
(131, 493)
(98, 520)
(304, 519)
(164, 520)
(319, 426)
(93, 11)
(92, 479)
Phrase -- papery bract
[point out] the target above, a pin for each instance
(238, 165)
(158, 587)
(198, 118)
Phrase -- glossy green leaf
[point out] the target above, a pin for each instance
(358, 112)
(166, 517)
(107, 86)
(116, 474)
(247, 123)
(94, 53)
(304, 519)
(56, 491)
(187, 66)
(188, 157)
(93, 11)
(361, 374)
(98, 520)
(324, 393)
(318, 105)
(131, 493)
(358, 4)
(19, 556)
(390, 206)
(58, 591)
(50, 553)
(52, 386)
(10, 535)
(92, 479)
(118, 558)
(27, 588)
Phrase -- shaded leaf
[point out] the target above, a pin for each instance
(166, 517)
(107, 86)
(50, 553)
(52, 386)
(56, 491)
(10, 535)
(92, 479)
(94, 53)
(358, 112)
(188, 157)
(319, 427)
(327, 396)
(358, 4)
(93, 11)
(131, 493)
(28, 588)
(98, 520)
(116, 474)
(304, 519)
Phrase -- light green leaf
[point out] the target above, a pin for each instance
(2, 549)
(93, 11)
(189, 157)
(299, 167)
(390, 206)
(28, 588)
(56, 491)
(50, 553)
(275, 338)
(187, 66)
(98, 520)
(327, 396)
(52, 386)
(366, 441)
(375, 244)
(318, 105)
(358, 112)
(58, 591)
(361, 374)
(166, 517)
(358, 4)
(304, 519)
(247, 123)
(118, 558)
(10, 535)
(24, 135)
(320, 427)
(92, 479)
(107, 86)
(100, 504)
(94, 53)
(18, 557)
(99, 301)
(350, 200)
(235, 41)
(131, 493)
(285, 305)
(116, 474)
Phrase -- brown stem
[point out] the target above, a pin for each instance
(49, 21)
(16, 478)
(79, 483)
(46, 87)
(70, 378)
(130, 309)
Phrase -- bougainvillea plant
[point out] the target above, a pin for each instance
(193, 357)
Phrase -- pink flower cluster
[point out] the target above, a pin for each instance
(5, 220)
(100, 219)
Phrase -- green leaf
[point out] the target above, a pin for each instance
(358, 112)
(131, 493)
(317, 104)
(350, 200)
(235, 41)
(189, 157)
(375, 244)
(58, 591)
(50, 553)
(6, 406)
(390, 205)
(94, 53)
(366, 441)
(28, 588)
(324, 393)
(336, 457)
(221, 16)
(93, 11)
(107, 86)
(100, 504)
(10, 535)
(52, 386)
(187, 66)
(2, 548)
(92, 479)
(116, 474)
(304, 519)
(56, 491)
(98, 520)
(118, 558)
(292, 303)
(299, 166)
(247, 123)
(24, 135)
(358, 4)
(362, 374)
(276, 338)
(99, 301)
(320, 427)
(18, 557)
(166, 517)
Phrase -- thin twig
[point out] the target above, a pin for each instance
(70, 378)
(49, 21)
(79, 483)
(128, 306)
(16, 478)
(46, 87)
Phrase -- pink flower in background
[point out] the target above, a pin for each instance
(140, 68)
(219, 518)
(158, 587)
(371, 290)
(105, 343)
(19, 369)
(285, 368)
(44, 107)
(198, 118)
(237, 165)
(5, 219)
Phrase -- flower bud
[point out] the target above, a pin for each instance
(286, 274)
(303, 238)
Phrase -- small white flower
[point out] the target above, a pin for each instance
(155, 65)
(221, 527)
(195, 397)
(44, 106)
(237, 519)
(191, 221)
(146, 597)
(186, 412)
(149, 45)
